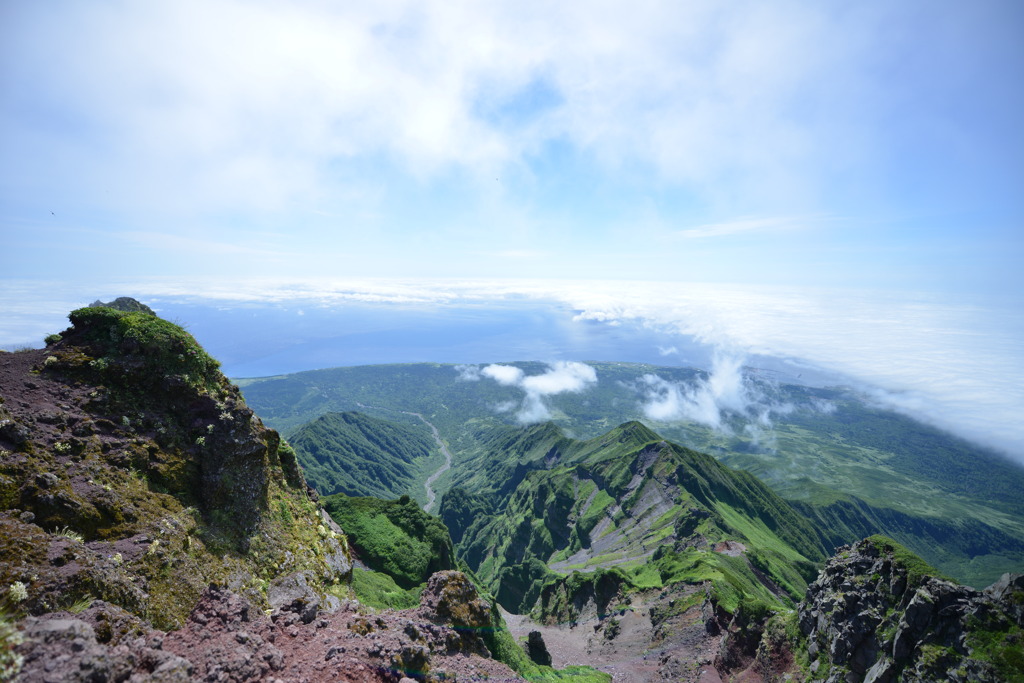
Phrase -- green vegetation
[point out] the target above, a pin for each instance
(359, 455)
(380, 591)
(140, 347)
(858, 468)
(576, 520)
(732, 581)
(921, 453)
(1001, 645)
(394, 537)
(916, 568)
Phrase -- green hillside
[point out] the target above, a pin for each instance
(359, 455)
(612, 505)
(929, 489)
(393, 537)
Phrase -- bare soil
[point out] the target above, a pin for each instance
(629, 645)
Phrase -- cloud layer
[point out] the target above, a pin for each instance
(956, 362)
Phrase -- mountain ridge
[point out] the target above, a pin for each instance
(802, 457)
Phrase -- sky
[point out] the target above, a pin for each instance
(833, 181)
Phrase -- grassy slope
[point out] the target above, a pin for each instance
(360, 455)
(394, 536)
(820, 456)
(618, 498)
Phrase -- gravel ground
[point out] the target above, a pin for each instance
(632, 650)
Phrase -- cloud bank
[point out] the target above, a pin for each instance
(560, 377)
(954, 362)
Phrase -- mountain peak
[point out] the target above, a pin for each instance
(126, 304)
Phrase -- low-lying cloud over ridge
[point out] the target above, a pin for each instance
(724, 396)
(561, 377)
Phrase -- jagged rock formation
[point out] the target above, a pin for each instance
(875, 614)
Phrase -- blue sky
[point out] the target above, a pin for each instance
(867, 144)
(843, 178)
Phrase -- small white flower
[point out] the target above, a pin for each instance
(18, 592)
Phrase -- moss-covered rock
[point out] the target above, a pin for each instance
(131, 471)
(878, 612)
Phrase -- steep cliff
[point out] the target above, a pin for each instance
(132, 473)
(877, 613)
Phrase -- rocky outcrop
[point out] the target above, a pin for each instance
(450, 598)
(581, 596)
(537, 649)
(226, 638)
(877, 614)
(151, 528)
(133, 475)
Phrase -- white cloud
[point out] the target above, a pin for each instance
(560, 377)
(232, 103)
(733, 227)
(468, 373)
(503, 374)
(725, 394)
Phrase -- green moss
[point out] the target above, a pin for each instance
(1001, 645)
(575, 674)
(144, 346)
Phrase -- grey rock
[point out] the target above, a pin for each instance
(882, 671)
(862, 620)
(293, 593)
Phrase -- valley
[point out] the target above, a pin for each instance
(853, 467)
(428, 485)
